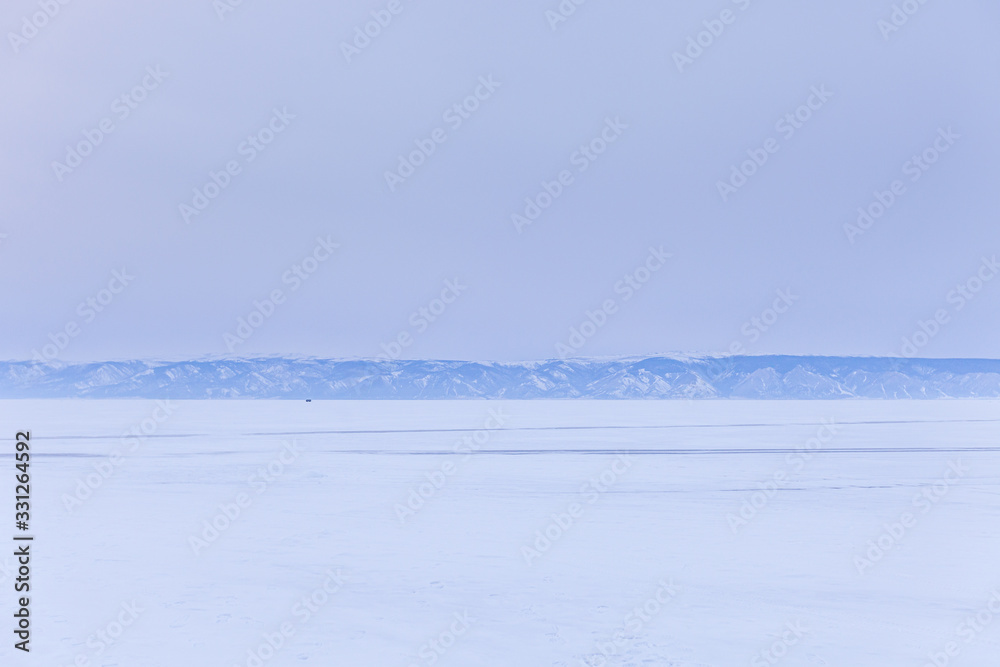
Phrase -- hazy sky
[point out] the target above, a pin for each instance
(309, 114)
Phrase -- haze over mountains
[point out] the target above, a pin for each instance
(662, 377)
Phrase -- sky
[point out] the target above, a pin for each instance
(498, 181)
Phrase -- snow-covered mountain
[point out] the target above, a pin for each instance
(771, 377)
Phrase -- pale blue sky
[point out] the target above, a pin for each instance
(678, 134)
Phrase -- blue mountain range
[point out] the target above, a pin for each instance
(659, 377)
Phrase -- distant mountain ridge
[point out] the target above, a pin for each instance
(660, 377)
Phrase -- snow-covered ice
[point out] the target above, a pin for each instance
(679, 533)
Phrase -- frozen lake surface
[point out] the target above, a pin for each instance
(377, 534)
